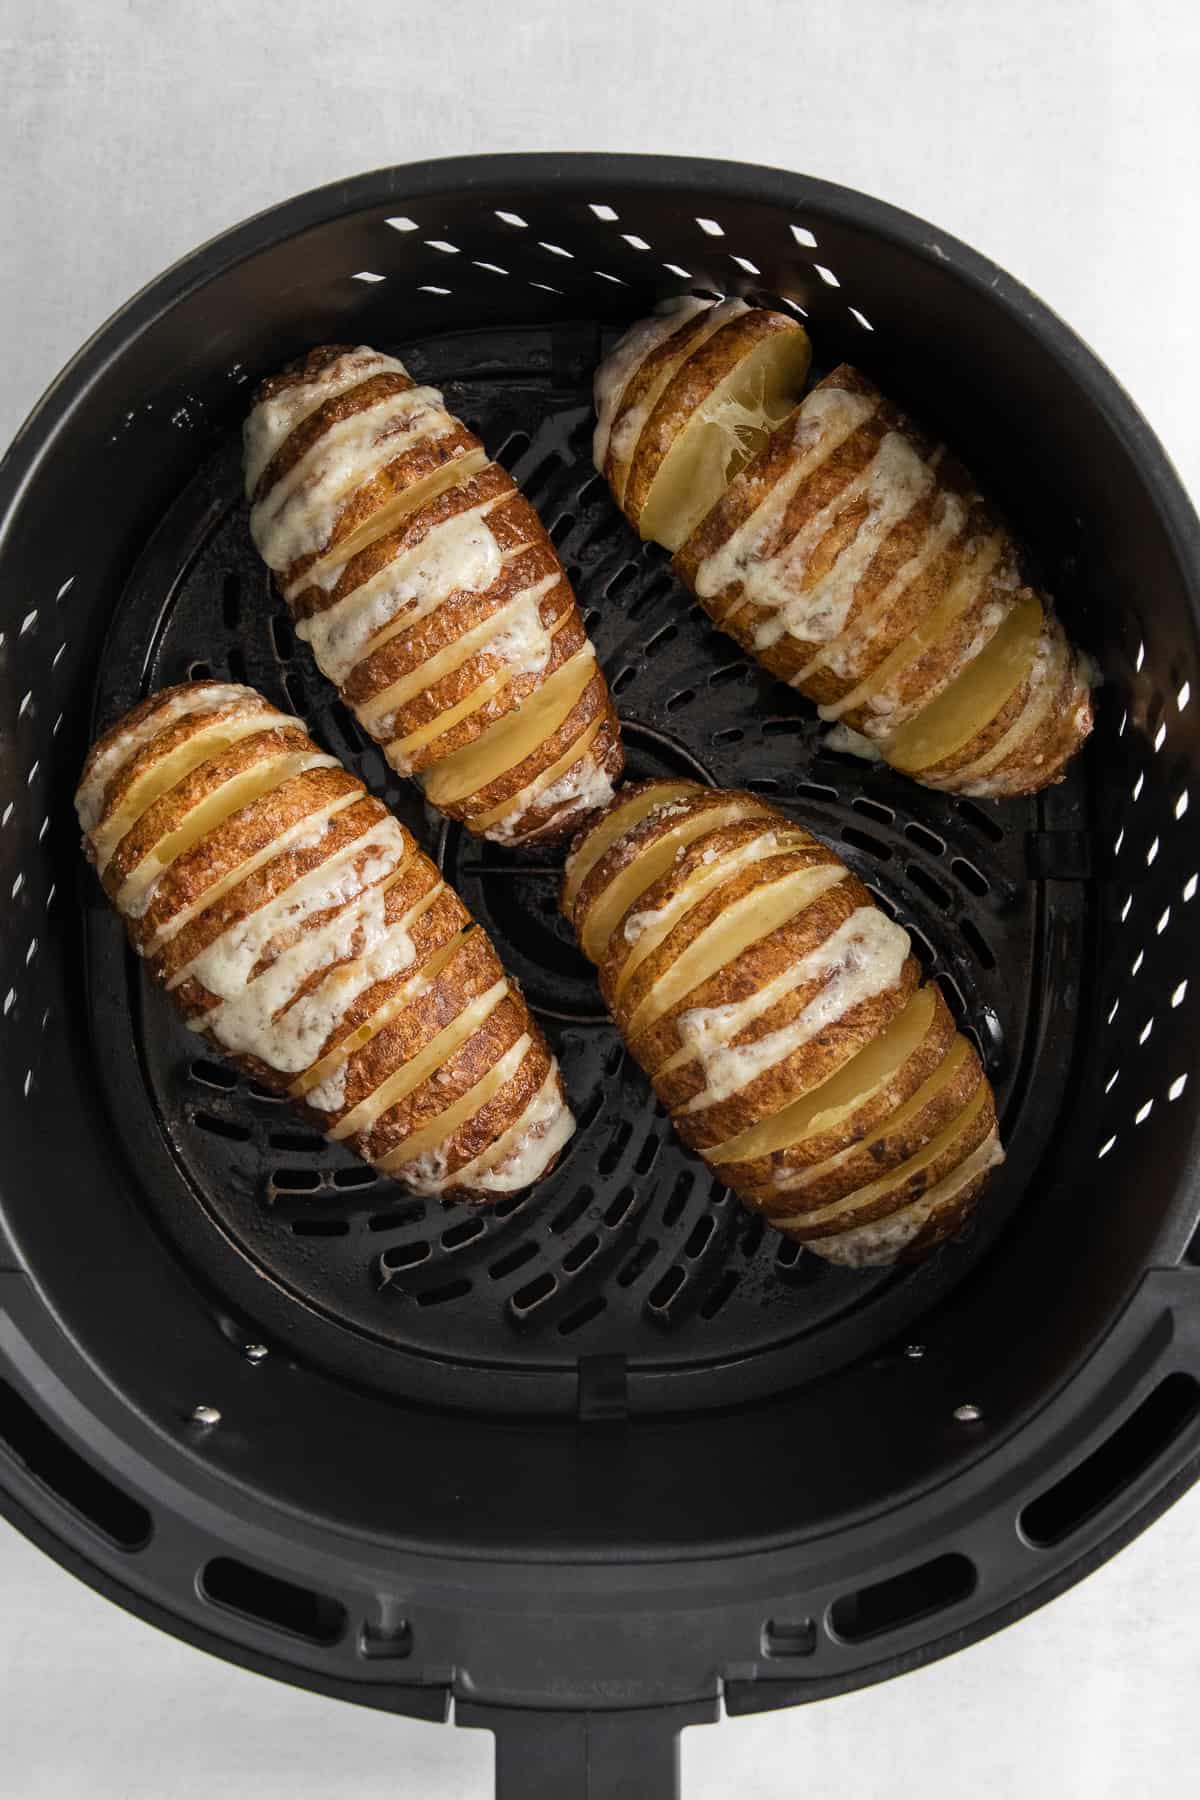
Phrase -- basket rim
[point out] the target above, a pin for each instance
(576, 171)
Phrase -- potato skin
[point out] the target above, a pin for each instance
(810, 485)
(392, 528)
(237, 897)
(694, 892)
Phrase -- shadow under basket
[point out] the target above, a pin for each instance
(594, 1462)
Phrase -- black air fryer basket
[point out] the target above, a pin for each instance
(588, 1465)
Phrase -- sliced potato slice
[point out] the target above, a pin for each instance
(825, 1107)
(941, 1156)
(514, 737)
(629, 810)
(974, 699)
(419, 1068)
(611, 905)
(729, 427)
(755, 916)
(428, 1137)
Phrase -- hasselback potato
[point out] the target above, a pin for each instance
(430, 594)
(783, 1020)
(302, 932)
(848, 553)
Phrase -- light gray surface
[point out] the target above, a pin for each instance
(1061, 139)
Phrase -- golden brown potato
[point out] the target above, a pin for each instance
(305, 935)
(430, 594)
(847, 552)
(782, 1019)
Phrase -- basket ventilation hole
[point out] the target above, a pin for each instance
(1176, 1088)
(1143, 1113)
(1133, 1447)
(367, 275)
(861, 318)
(1111, 1083)
(1164, 919)
(743, 262)
(674, 269)
(1118, 841)
(267, 1600)
(710, 228)
(404, 224)
(492, 268)
(903, 1599)
(634, 241)
(1152, 852)
(441, 244)
(427, 287)
(605, 276)
(1183, 696)
(1105, 1147)
(1127, 908)
(1160, 736)
(73, 1481)
(1180, 994)
(827, 275)
(1138, 785)
(1181, 805)
(789, 1637)
(1147, 1028)
(804, 236)
(554, 249)
(1140, 658)
(1189, 886)
(545, 287)
(1137, 962)
(511, 218)
(604, 212)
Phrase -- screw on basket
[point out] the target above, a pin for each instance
(205, 1415)
(968, 1413)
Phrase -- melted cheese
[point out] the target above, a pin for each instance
(204, 743)
(630, 422)
(431, 1140)
(575, 776)
(626, 357)
(261, 1018)
(644, 931)
(123, 745)
(506, 744)
(862, 959)
(823, 422)
(305, 834)
(298, 514)
(743, 922)
(844, 655)
(378, 713)
(272, 422)
(460, 555)
(517, 1159)
(137, 890)
(326, 1074)
(419, 1068)
(882, 1241)
(224, 966)
(829, 1105)
(892, 484)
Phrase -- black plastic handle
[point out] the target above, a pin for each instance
(628, 1755)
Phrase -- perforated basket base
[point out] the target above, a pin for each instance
(630, 1277)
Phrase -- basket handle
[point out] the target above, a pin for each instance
(624, 1755)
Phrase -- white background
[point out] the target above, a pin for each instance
(1062, 139)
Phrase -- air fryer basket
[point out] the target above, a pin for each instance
(593, 1462)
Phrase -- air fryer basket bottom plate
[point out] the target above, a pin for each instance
(631, 1249)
